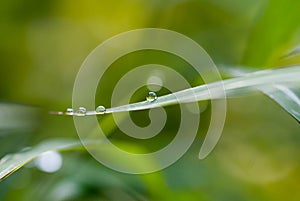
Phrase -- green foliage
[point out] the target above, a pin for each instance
(42, 45)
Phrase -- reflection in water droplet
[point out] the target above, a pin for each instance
(81, 111)
(69, 111)
(100, 109)
(151, 96)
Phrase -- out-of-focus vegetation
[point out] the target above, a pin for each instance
(42, 45)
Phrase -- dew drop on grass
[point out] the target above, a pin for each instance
(69, 111)
(100, 109)
(81, 111)
(151, 96)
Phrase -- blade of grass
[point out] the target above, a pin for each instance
(12, 162)
(246, 83)
(286, 94)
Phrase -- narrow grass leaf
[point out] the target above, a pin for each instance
(12, 162)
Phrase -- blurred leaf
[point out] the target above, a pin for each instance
(17, 117)
(275, 28)
(12, 162)
(292, 53)
(18, 122)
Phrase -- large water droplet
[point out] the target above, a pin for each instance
(100, 109)
(81, 111)
(69, 111)
(151, 96)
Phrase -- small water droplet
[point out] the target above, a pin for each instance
(151, 96)
(100, 109)
(81, 111)
(69, 111)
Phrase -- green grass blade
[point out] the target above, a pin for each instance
(12, 162)
(232, 87)
(285, 93)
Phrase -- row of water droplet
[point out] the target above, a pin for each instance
(82, 111)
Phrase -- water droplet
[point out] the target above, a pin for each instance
(100, 109)
(81, 111)
(69, 111)
(151, 96)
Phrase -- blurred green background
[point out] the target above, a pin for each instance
(43, 44)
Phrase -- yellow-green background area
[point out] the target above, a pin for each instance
(43, 44)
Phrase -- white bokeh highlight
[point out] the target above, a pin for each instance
(50, 161)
